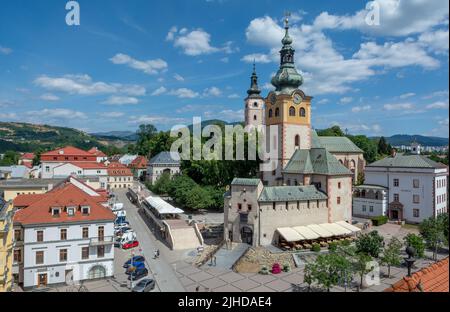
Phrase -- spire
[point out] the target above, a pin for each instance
(287, 78)
(254, 90)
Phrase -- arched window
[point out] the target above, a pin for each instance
(297, 141)
(270, 113)
(292, 111)
(255, 104)
(302, 112)
(255, 118)
(277, 112)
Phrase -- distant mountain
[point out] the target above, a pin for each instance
(405, 139)
(115, 135)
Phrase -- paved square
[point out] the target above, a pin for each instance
(261, 288)
(213, 283)
(201, 276)
(231, 277)
(278, 285)
(245, 284)
(227, 288)
(186, 281)
(263, 279)
(294, 278)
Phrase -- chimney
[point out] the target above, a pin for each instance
(393, 152)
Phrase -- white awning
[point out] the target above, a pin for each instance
(320, 230)
(290, 235)
(306, 232)
(349, 226)
(336, 229)
(162, 206)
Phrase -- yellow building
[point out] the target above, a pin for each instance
(6, 245)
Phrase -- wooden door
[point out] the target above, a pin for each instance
(42, 280)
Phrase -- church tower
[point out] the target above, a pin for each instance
(254, 103)
(287, 113)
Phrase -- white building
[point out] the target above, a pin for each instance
(417, 186)
(63, 235)
(370, 201)
(83, 169)
(163, 163)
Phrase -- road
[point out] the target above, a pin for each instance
(161, 270)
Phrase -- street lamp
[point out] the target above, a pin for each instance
(411, 252)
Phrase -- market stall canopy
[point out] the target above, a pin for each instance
(320, 230)
(290, 235)
(336, 229)
(349, 226)
(162, 206)
(306, 232)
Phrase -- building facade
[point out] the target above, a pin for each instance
(119, 176)
(163, 163)
(370, 201)
(64, 235)
(254, 103)
(6, 245)
(417, 186)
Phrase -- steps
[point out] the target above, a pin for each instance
(184, 238)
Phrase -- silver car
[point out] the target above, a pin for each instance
(144, 285)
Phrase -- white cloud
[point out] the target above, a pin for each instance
(441, 93)
(194, 43)
(225, 59)
(213, 91)
(346, 100)
(5, 50)
(323, 101)
(6, 103)
(112, 114)
(358, 109)
(49, 97)
(184, 93)
(121, 100)
(234, 96)
(151, 67)
(437, 41)
(8, 116)
(157, 120)
(226, 115)
(438, 105)
(399, 106)
(407, 95)
(178, 77)
(56, 113)
(83, 85)
(257, 57)
(159, 91)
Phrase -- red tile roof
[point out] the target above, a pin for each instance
(431, 279)
(26, 200)
(27, 156)
(67, 151)
(88, 165)
(139, 163)
(95, 151)
(65, 196)
(117, 169)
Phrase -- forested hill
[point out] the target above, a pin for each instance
(404, 139)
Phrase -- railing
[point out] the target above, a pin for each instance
(99, 241)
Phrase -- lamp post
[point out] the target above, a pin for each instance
(411, 252)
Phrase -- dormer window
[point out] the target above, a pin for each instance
(70, 211)
(85, 210)
(56, 212)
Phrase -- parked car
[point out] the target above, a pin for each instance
(138, 274)
(120, 223)
(136, 266)
(130, 244)
(117, 207)
(122, 230)
(144, 285)
(135, 259)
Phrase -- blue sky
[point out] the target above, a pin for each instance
(162, 62)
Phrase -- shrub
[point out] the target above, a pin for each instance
(417, 243)
(345, 242)
(315, 247)
(380, 220)
(333, 246)
(370, 244)
(286, 268)
(264, 271)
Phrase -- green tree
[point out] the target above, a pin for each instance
(432, 231)
(392, 254)
(360, 265)
(370, 244)
(443, 219)
(162, 185)
(309, 274)
(383, 147)
(333, 131)
(329, 269)
(368, 146)
(416, 241)
(10, 158)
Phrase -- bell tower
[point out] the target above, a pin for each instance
(287, 113)
(254, 103)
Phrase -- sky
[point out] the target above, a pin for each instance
(163, 62)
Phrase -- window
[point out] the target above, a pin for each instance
(277, 112)
(270, 113)
(85, 232)
(291, 111)
(363, 193)
(62, 255)
(416, 199)
(39, 257)
(297, 141)
(416, 213)
(55, 212)
(249, 208)
(371, 208)
(338, 200)
(255, 118)
(101, 233)
(17, 235)
(364, 208)
(239, 207)
(71, 211)
(339, 185)
(84, 253)
(416, 183)
(396, 197)
(255, 104)
(63, 234)
(396, 182)
(40, 236)
(17, 256)
(100, 251)
(302, 112)
(47, 169)
(274, 206)
(85, 210)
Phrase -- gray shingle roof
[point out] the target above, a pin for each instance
(245, 182)
(407, 161)
(290, 193)
(164, 158)
(339, 145)
(315, 161)
(23, 183)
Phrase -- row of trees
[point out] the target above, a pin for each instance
(10, 158)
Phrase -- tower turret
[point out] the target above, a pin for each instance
(254, 103)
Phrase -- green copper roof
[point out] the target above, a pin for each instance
(287, 79)
(407, 161)
(339, 145)
(290, 193)
(254, 91)
(315, 141)
(245, 182)
(315, 161)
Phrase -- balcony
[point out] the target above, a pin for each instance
(101, 241)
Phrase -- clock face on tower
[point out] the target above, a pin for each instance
(297, 98)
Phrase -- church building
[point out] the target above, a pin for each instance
(307, 186)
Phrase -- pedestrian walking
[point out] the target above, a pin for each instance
(157, 252)
(215, 260)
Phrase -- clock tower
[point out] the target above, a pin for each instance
(254, 103)
(287, 113)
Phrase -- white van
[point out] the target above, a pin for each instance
(117, 206)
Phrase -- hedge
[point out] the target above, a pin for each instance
(380, 220)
